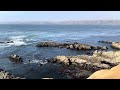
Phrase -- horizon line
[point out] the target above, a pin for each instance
(64, 20)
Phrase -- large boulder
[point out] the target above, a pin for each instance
(15, 58)
(113, 73)
(115, 45)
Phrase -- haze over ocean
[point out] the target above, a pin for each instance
(26, 36)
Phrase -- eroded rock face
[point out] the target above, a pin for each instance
(113, 73)
(115, 45)
(15, 58)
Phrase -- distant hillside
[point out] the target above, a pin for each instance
(73, 22)
(92, 22)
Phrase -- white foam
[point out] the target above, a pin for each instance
(38, 61)
(17, 40)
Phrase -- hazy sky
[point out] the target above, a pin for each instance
(6, 16)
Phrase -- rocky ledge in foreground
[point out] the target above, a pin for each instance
(115, 45)
(82, 66)
(75, 46)
(113, 73)
(7, 75)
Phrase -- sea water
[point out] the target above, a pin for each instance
(26, 36)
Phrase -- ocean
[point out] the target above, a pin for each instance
(26, 36)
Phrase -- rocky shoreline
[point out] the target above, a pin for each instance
(80, 66)
(73, 46)
(86, 64)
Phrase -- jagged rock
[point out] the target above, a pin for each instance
(101, 66)
(115, 45)
(15, 58)
(77, 60)
(71, 47)
(7, 75)
(109, 63)
(48, 44)
(75, 46)
(76, 73)
(61, 59)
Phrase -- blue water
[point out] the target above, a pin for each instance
(25, 38)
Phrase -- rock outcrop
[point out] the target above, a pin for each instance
(15, 58)
(115, 45)
(73, 46)
(99, 60)
(113, 73)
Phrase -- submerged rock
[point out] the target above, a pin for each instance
(15, 58)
